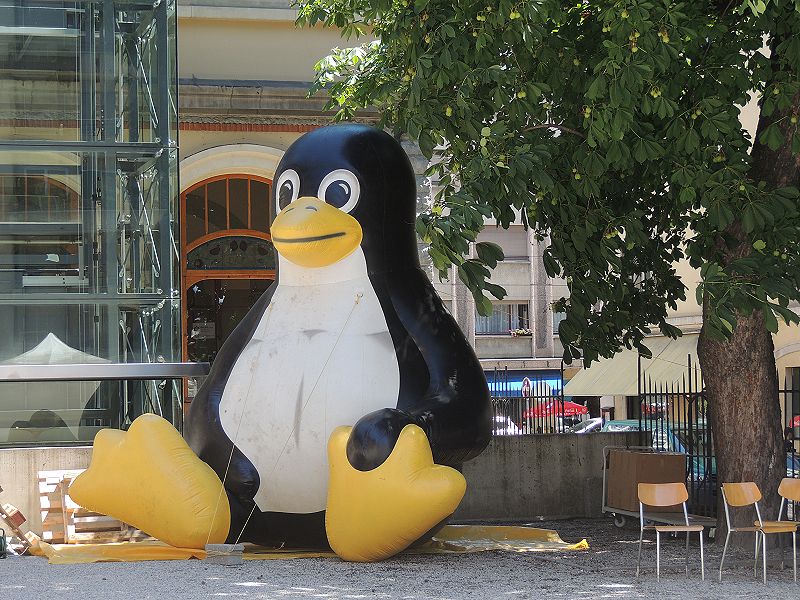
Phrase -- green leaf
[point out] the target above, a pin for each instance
(759, 245)
(769, 319)
(483, 305)
(426, 144)
(772, 137)
(490, 253)
(495, 290)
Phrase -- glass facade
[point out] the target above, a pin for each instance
(88, 206)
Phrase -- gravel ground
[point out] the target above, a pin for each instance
(607, 570)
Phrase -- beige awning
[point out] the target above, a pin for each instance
(618, 375)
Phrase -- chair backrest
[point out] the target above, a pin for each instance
(790, 489)
(662, 494)
(741, 494)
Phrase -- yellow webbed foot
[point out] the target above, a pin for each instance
(150, 478)
(372, 515)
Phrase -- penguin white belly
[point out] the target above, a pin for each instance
(321, 357)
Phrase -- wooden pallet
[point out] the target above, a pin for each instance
(65, 522)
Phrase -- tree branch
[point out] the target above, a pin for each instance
(555, 126)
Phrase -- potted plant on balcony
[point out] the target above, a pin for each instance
(520, 332)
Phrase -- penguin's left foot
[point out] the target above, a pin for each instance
(148, 477)
(374, 514)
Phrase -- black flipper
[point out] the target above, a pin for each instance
(442, 385)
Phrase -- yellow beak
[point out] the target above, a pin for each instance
(312, 233)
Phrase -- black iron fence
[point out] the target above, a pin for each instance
(676, 416)
(673, 416)
(532, 406)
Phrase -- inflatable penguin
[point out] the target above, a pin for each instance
(351, 334)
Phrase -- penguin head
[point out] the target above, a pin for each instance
(341, 187)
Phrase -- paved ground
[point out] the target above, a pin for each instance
(605, 571)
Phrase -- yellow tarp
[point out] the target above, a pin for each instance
(480, 538)
(452, 539)
(71, 554)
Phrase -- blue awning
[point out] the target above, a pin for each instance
(510, 383)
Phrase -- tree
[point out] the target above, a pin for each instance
(614, 128)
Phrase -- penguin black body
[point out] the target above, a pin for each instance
(416, 364)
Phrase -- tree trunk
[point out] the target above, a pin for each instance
(742, 394)
(740, 374)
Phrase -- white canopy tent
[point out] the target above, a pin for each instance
(18, 401)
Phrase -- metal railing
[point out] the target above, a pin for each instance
(676, 416)
(536, 406)
(62, 423)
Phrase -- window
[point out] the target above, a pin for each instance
(557, 318)
(235, 202)
(504, 319)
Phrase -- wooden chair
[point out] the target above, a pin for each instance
(739, 495)
(662, 495)
(789, 489)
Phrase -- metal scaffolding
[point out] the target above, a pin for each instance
(116, 150)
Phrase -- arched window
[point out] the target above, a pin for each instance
(227, 259)
(36, 198)
(238, 202)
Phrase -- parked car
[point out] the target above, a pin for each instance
(505, 426)
(587, 426)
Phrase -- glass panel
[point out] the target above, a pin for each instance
(233, 253)
(214, 308)
(40, 41)
(497, 322)
(237, 190)
(195, 214)
(217, 206)
(55, 57)
(88, 251)
(520, 311)
(259, 206)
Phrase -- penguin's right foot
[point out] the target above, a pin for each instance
(148, 477)
(374, 514)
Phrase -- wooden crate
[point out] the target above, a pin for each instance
(65, 522)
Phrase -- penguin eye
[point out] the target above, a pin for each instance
(287, 189)
(341, 189)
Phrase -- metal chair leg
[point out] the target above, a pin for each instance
(702, 559)
(755, 560)
(687, 553)
(658, 556)
(794, 554)
(764, 554)
(639, 559)
(724, 550)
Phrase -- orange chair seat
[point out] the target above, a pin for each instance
(674, 528)
(778, 526)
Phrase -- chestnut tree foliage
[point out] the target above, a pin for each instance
(613, 127)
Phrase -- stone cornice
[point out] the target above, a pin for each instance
(257, 102)
(237, 10)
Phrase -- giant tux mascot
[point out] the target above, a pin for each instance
(341, 407)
